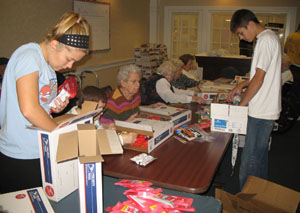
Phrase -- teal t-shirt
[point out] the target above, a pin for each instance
(16, 141)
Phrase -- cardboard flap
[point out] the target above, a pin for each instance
(67, 146)
(109, 142)
(234, 204)
(87, 106)
(219, 109)
(91, 159)
(272, 194)
(62, 118)
(134, 127)
(157, 110)
(78, 118)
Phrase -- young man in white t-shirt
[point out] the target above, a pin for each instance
(262, 95)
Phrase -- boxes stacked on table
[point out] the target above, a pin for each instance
(149, 57)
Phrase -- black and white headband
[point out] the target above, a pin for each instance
(75, 40)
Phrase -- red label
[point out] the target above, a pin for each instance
(20, 196)
(205, 96)
(49, 191)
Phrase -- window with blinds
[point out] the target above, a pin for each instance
(184, 34)
(222, 38)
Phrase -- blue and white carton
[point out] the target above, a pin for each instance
(60, 180)
(177, 116)
(87, 145)
(29, 200)
(229, 118)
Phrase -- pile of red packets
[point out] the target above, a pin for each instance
(143, 198)
(141, 141)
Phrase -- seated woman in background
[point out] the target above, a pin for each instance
(123, 103)
(189, 67)
(159, 89)
(180, 80)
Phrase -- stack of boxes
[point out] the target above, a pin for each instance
(149, 57)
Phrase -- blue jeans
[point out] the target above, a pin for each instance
(254, 159)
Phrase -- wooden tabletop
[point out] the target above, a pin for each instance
(186, 167)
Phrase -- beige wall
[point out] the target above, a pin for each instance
(238, 3)
(24, 21)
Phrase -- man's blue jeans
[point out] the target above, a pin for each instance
(254, 159)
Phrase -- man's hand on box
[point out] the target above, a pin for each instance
(237, 90)
(60, 105)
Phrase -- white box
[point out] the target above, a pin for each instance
(59, 180)
(176, 115)
(90, 187)
(88, 145)
(229, 118)
(29, 200)
(160, 131)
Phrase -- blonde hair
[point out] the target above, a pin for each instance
(69, 23)
(166, 68)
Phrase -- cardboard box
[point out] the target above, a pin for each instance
(229, 118)
(176, 115)
(160, 131)
(29, 200)
(239, 79)
(211, 84)
(88, 145)
(59, 180)
(259, 196)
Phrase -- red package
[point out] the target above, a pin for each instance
(133, 183)
(141, 141)
(70, 85)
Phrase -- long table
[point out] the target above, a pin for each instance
(186, 167)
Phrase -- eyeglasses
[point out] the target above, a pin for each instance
(134, 81)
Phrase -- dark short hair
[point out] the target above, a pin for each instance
(241, 18)
(91, 93)
(186, 57)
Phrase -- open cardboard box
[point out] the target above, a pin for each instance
(214, 85)
(88, 145)
(176, 115)
(57, 179)
(29, 200)
(229, 118)
(159, 131)
(259, 196)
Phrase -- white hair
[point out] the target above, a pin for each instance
(167, 68)
(125, 70)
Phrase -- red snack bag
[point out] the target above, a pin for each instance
(133, 183)
(70, 85)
